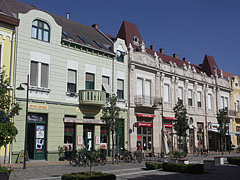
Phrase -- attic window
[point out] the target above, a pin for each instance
(236, 84)
(40, 30)
(136, 41)
(67, 35)
(82, 38)
(100, 44)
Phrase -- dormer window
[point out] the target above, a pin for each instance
(120, 56)
(40, 30)
(135, 41)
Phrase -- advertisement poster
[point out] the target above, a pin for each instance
(39, 144)
(80, 140)
(40, 132)
(97, 139)
(89, 135)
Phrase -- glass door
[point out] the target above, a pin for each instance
(40, 147)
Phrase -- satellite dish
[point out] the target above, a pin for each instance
(118, 53)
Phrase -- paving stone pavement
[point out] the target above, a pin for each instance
(42, 170)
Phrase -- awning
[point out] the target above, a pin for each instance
(83, 121)
(107, 88)
(170, 118)
(145, 115)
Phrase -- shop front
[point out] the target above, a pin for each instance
(168, 130)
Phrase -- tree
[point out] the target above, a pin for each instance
(111, 118)
(8, 110)
(181, 125)
(223, 120)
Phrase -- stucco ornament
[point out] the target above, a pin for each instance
(144, 59)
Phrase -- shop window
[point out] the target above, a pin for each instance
(104, 135)
(40, 31)
(90, 81)
(72, 81)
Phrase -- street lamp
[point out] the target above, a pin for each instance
(26, 122)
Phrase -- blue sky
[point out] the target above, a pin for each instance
(190, 28)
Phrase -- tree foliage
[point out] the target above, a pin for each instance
(111, 118)
(181, 125)
(8, 110)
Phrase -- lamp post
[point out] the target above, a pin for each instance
(26, 120)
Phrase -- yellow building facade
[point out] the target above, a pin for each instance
(7, 51)
(236, 105)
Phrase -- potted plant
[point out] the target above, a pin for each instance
(61, 153)
(5, 172)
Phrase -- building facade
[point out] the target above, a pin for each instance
(7, 52)
(73, 69)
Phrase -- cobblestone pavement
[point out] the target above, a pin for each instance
(40, 170)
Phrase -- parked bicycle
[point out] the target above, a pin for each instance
(203, 152)
(129, 156)
(117, 157)
(97, 158)
(79, 159)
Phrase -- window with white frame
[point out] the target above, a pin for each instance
(210, 101)
(147, 91)
(39, 74)
(222, 102)
(105, 86)
(139, 87)
(72, 81)
(166, 92)
(190, 100)
(199, 97)
(120, 88)
(90, 81)
(180, 93)
(40, 30)
(237, 106)
(225, 103)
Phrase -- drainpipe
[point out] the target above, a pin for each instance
(206, 122)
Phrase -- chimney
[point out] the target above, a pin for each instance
(175, 56)
(67, 15)
(95, 26)
(152, 47)
(184, 59)
(161, 50)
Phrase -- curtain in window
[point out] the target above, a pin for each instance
(190, 94)
(139, 87)
(198, 96)
(72, 76)
(166, 93)
(34, 74)
(209, 101)
(89, 77)
(44, 75)
(120, 84)
(222, 102)
(105, 80)
(148, 88)
(180, 93)
(225, 102)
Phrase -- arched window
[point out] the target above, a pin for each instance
(40, 30)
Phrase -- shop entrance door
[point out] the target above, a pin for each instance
(88, 136)
(144, 137)
(120, 138)
(36, 142)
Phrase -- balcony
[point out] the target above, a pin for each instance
(238, 115)
(92, 97)
(144, 100)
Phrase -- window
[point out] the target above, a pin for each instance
(199, 97)
(120, 89)
(180, 93)
(90, 81)
(237, 106)
(225, 103)
(139, 87)
(39, 74)
(190, 101)
(222, 102)
(0, 55)
(105, 86)
(166, 93)
(40, 30)
(209, 101)
(72, 81)
(148, 91)
(120, 57)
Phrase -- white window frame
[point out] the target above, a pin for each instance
(166, 97)
(210, 103)
(199, 99)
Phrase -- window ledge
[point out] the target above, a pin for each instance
(40, 89)
(72, 94)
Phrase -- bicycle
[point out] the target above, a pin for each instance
(117, 157)
(129, 157)
(204, 152)
(99, 158)
(80, 160)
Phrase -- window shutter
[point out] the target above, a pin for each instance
(34, 74)
(166, 93)
(199, 96)
(72, 76)
(190, 94)
(44, 75)
(105, 80)
(209, 101)
(226, 102)
(180, 93)
(89, 77)
(139, 87)
(120, 84)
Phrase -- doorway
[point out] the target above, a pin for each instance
(88, 136)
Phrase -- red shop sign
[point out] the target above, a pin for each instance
(167, 125)
(146, 115)
(143, 124)
(139, 137)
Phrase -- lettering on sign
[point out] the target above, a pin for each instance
(35, 106)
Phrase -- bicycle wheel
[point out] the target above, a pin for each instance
(96, 161)
(205, 154)
(102, 160)
(73, 162)
(196, 153)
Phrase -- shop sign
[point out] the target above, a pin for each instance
(35, 106)
(213, 126)
(80, 140)
(146, 115)
(143, 124)
(97, 139)
(139, 137)
(167, 125)
(170, 118)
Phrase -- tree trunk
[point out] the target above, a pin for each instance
(113, 149)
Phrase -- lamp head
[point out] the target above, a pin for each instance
(20, 87)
